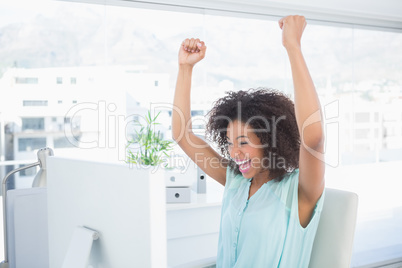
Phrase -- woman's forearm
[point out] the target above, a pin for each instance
(191, 51)
(181, 115)
(307, 104)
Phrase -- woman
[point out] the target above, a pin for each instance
(274, 181)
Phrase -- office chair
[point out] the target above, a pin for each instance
(333, 243)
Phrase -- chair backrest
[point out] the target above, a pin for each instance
(333, 244)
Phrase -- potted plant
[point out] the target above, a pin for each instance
(152, 149)
(148, 149)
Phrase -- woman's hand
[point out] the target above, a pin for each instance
(292, 30)
(191, 51)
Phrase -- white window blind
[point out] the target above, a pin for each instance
(384, 14)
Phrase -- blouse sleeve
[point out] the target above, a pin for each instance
(294, 206)
(287, 192)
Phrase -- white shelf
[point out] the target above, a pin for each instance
(212, 198)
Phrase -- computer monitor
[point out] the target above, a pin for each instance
(125, 204)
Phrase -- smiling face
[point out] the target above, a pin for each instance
(246, 150)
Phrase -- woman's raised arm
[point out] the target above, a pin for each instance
(192, 51)
(308, 117)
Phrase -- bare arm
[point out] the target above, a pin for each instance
(308, 117)
(192, 51)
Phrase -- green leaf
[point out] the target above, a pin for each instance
(152, 147)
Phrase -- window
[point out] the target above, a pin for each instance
(197, 112)
(34, 103)
(30, 144)
(26, 80)
(361, 117)
(63, 142)
(33, 123)
(129, 55)
(28, 172)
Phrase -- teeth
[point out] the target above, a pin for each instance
(242, 162)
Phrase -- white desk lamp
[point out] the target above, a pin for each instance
(40, 180)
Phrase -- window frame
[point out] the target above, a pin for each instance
(361, 16)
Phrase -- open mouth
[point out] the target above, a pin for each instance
(244, 166)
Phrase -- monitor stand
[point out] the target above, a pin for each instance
(80, 247)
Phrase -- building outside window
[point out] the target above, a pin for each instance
(27, 172)
(31, 144)
(35, 103)
(26, 80)
(33, 123)
(62, 142)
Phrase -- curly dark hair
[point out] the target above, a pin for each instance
(268, 111)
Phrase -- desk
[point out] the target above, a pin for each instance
(193, 228)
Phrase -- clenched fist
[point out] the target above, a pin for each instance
(191, 51)
(292, 30)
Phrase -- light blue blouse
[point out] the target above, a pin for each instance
(265, 230)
